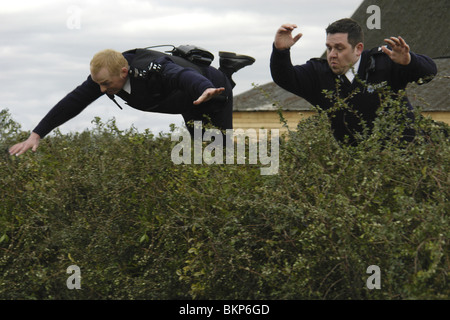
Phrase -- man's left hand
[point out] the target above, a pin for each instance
(208, 94)
(400, 50)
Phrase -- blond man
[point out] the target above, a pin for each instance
(149, 81)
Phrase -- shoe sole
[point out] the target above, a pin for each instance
(225, 54)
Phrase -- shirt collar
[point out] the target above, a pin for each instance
(127, 86)
(350, 74)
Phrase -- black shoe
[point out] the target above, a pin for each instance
(233, 62)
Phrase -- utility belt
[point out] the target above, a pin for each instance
(185, 56)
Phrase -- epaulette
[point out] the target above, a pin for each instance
(377, 50)
(143, 73)
(143, 65)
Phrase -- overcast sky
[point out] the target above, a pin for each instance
(46, 45)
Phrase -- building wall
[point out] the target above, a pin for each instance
(271, 120)
(441, 116)
(267, 119)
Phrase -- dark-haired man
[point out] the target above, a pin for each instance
(394, 66)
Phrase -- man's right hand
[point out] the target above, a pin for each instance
(31, 142)
(284, 39)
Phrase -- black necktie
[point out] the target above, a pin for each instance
(345, 81)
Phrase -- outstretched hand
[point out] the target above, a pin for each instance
(284, 39)
(31, 143)
(208, 94)
(400, 50)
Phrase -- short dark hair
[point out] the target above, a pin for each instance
(349, 26)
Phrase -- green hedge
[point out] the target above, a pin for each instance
(140, 227)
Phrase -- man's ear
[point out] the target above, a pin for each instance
(359, 48)
(123, 72)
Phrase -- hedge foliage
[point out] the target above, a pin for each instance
(140, 227)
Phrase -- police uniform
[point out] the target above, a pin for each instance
(376, 68)
(155, 85)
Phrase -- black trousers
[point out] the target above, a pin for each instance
(217, 112)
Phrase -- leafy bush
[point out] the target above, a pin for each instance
(140, 227)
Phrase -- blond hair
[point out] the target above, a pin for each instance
(113, 60)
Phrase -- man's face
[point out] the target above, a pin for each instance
(110, 84)
(341, 55)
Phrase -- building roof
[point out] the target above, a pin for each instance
(423, 24)
(435, 95)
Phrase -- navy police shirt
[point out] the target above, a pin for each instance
(312, 78)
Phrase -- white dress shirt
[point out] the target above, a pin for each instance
(350, 74)
(127, 86)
